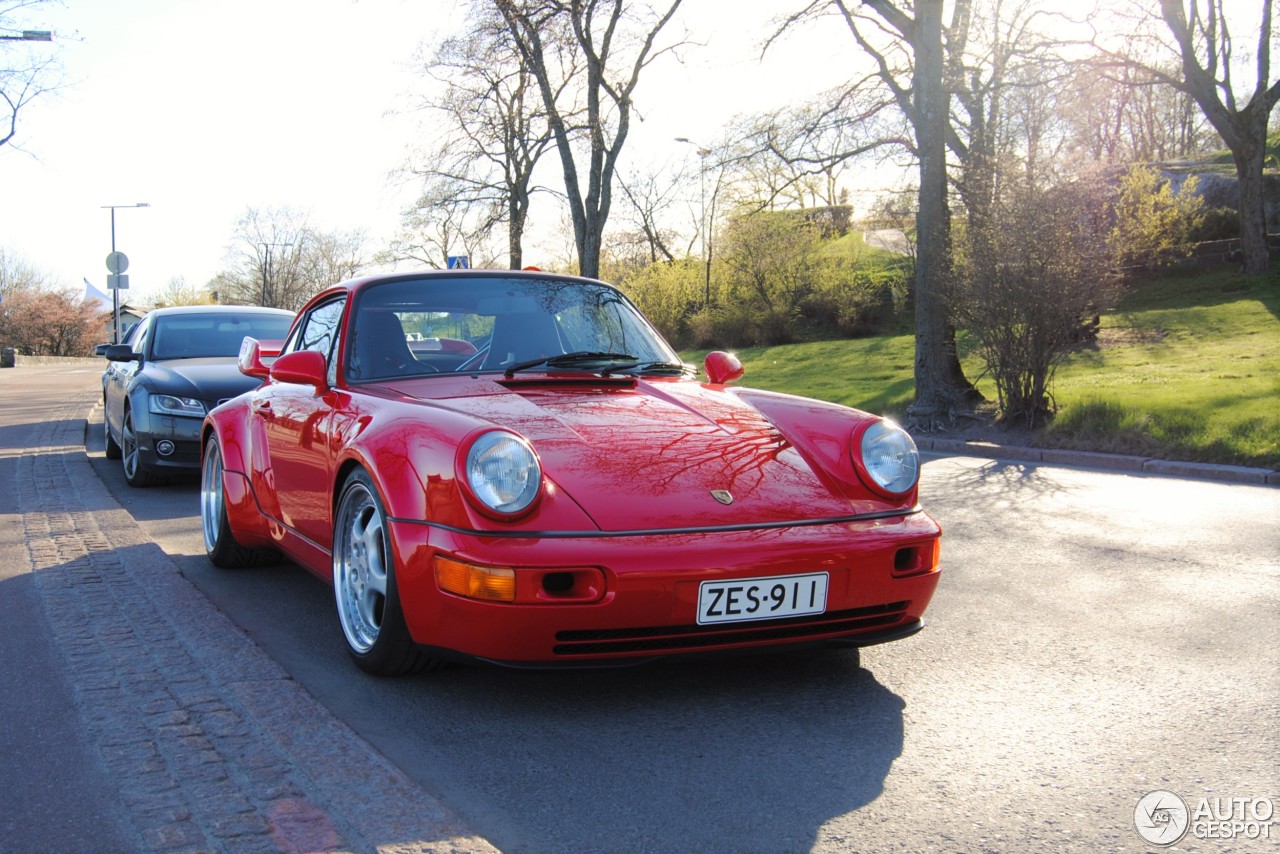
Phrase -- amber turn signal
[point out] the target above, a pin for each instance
(490, 583)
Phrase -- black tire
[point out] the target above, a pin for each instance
(219, 543)
(112, 447)
(364, 585)
(131, 455)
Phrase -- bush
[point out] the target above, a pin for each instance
(1216, 224)
(735, 325)
(669, 294)
(1154, 226)
(1026, 303)
(854, 302)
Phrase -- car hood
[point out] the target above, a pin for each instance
(210, 380)
(655, 456)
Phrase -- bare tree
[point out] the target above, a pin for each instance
(18, 275)
(445, 218)
(651, 196)
(615, 41)
(28, 67)
(1210, 71)
(278, 258)
(177, 292)
(495, 129)
(1115, 114)
(323, 258)
(796, 156)
(995, 52)
(1204, 42)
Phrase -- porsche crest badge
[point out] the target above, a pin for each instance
(722, 495)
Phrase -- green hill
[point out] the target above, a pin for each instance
(1186, 367)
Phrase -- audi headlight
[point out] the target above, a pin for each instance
(503, 472)
(168, 404)
(889, 458)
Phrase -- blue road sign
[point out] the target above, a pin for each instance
(459, 262)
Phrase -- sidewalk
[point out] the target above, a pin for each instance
(209, 744)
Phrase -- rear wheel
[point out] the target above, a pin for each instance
(364, 585)
(113, 448)
(130, 455)
(219, 543)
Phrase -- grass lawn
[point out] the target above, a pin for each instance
(1186, 367)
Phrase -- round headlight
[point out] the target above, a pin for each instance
(889, 457)
(503, 472)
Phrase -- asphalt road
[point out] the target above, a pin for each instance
(1095, 636)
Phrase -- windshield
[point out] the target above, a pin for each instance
(473, 324)
(197, 336)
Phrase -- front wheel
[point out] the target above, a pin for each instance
(219, 543)
(131, 455)
(364, 585)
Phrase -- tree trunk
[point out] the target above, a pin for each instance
(1252, 212)
(1244, 129)
(937, 390)
(516, 209)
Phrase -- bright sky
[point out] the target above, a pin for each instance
(204, 108)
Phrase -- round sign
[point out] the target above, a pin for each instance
(117, 263)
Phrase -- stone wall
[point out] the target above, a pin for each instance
(10, 359)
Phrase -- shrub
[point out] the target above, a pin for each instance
(669, 294)
(1026, 304)
(1216, 224)
(1154, 225)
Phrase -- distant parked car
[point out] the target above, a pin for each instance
(514, 467)
(177, 365)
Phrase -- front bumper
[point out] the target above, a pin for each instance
(647, 608)
(183, 433)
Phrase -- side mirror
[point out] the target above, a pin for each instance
(250, 359)
(304, 367)
(722, 367)
(121, 353)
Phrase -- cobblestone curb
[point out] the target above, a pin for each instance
(213, 747)
(1094, 459)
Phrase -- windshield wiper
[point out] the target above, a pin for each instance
(574, 359)
(672, 368)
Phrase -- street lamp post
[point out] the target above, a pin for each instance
(115, 292)
(705, 246)
(266, 265)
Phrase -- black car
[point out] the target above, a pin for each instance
(179, 364)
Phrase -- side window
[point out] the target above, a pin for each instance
(319, 332)
(142, 335)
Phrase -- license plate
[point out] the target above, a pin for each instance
(743, 599)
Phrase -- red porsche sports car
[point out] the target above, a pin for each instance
(515, 467)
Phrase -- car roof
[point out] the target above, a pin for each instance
(352, 286)
(219, 309)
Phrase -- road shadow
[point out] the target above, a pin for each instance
(754, 753)
(743, 754)
(988, 483)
